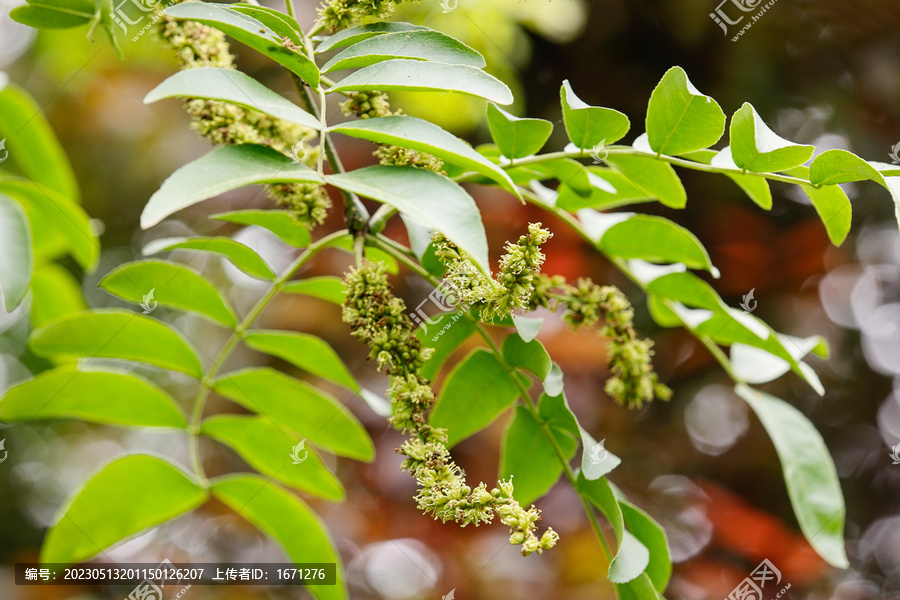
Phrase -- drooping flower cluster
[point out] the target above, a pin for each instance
(520, 285)
(340, 14)
(514, 286)
(224, 123)
(396, 155)
(378, 319)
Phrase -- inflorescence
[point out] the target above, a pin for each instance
(341, 14)
(378, 319)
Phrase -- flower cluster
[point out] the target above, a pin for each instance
(633, 380)
(367, 105)
(395, 155)
(378, 319)
(513, 287)
(340, 14)
(223, 123)
(520, 285)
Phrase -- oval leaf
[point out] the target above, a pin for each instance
(679, 118)
(515, 137)
(241, 256)
(96, 396)
(832, 205)
(327, 287)
(268, 449)
(418, 134)
(145, 491)
(588, 126)
(654, 178)
(286, 519)
(54, 14)
(220, 171)
(418, 44)
(280, 222)
(170, 284)
(15, 248)
(809, 473)
(116, 334)
(755, 147)
(251, 32)
(423, 76)
(304, 351)
(477, 390)
(301, 407)
(528, 456)
(353, 35)
(840, 166)
(231, 85)
(671, 243)
(427, 198)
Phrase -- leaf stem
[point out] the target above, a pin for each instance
(206, 383)
(629, 151)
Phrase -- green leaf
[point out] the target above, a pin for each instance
(353, 35)
(531, 356)
(555, 411)
(567, 171)
(286, 519)
(418, 134)
(423, 76)
(116, 334)
(106, 397)
(553, 382)
(54, 293)
(671, 243)
(283, 25)
(656, 179)
(679, 118)
(755, 147)
(170, 284)
(444, 336)
(590, 126)
(268, 449)
(417, 44)
(653, 537)
(220, 171)
(427, 198)
(839, 166)
(515, 137)
(32, 145)
(304, 351)
(527, 327)
(15, 248)
(832, 204)
(476, 391)
(241, 256)
(327, 287)
(145, 491)
(296, 405)
(753, 365)
(66, 219)
(528, 457)
(632, 557)
(279, 222)
(231, 85)
(251, 32)
(54, 14)
(809, 473)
